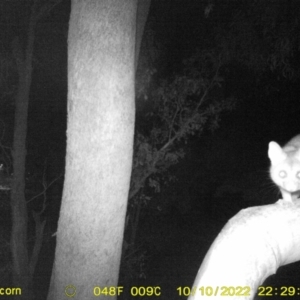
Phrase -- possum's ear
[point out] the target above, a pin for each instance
(276, 153)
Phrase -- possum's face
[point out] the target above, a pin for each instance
(285, 168)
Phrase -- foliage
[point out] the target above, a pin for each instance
(178, 108)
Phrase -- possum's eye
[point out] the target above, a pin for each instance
(282, 174)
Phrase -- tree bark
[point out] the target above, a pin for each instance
(99, 147)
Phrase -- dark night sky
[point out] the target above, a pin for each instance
(267, 106)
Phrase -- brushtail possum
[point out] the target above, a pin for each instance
(285, 168)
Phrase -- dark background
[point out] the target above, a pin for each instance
(223, 171)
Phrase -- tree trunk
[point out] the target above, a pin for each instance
(99, 147)
(22, 267)
(20, 270)
(250, 248)
(142, 15)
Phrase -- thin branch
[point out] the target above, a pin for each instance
(173, 120)
(45, 188)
